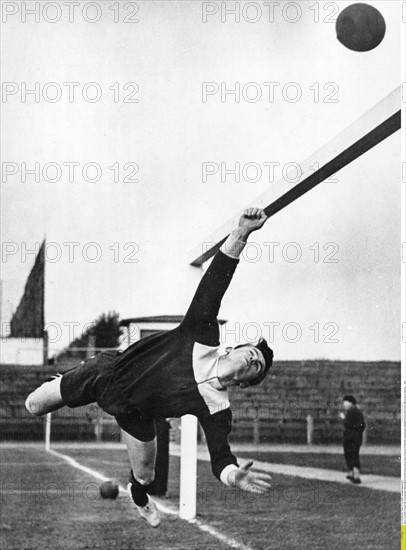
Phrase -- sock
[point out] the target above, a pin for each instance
(138, 491)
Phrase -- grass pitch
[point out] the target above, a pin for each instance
(48, 504)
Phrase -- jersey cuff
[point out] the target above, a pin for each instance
(232, 247)
(226, 471)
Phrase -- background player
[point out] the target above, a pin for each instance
(354, 426)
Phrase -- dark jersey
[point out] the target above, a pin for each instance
(354, 423)
(173, 373)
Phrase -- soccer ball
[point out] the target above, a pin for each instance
(360, 27)
(109, 489)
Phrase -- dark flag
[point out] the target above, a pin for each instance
(28, 320)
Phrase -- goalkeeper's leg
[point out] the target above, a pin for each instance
(46, 398)
(142, 455)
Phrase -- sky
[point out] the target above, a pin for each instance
(128, 111)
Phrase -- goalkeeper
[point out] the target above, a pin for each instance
(171, 374)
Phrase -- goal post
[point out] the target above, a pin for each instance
(188, 467)
(48, 423)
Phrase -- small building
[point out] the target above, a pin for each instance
(140, 327)
(24, 350)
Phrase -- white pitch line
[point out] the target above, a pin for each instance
(205, 527)
(79, 466)
(223, 538)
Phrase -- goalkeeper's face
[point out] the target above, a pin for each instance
(248, 363)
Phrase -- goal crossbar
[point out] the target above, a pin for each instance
(373, 127)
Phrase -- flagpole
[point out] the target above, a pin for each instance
(44, 332)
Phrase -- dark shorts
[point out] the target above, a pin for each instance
(136, 425)
(93, 382)
(89, 381)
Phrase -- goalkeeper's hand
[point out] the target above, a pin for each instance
(252, 482)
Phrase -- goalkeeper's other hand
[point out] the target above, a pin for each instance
(252, 482)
